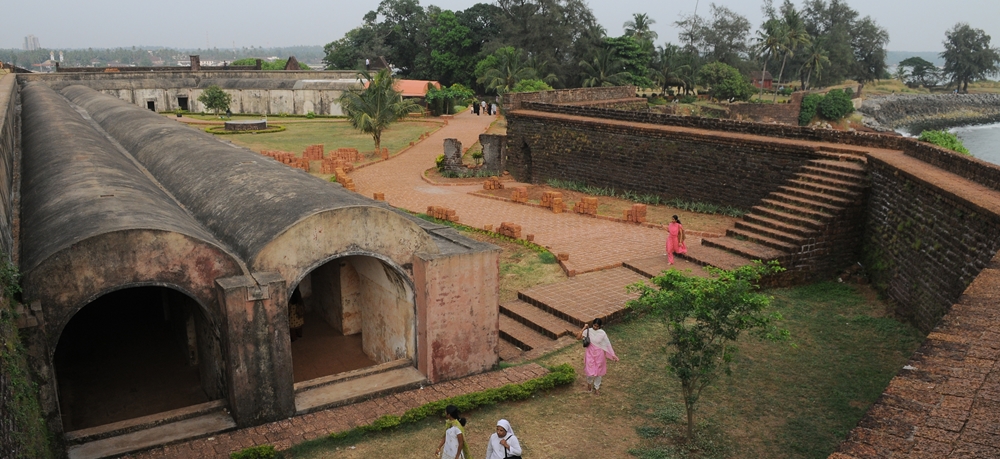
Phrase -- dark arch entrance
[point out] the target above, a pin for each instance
(357, 312)
(136, 352)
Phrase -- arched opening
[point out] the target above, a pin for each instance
(136, 352)
(348, 314)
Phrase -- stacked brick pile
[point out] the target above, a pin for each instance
(351, 155)
(511, 230)
(520, 194)
(379, 196)
(493, 183)
(637, 214)
(587, 206)
(442, 213)
(330, 165)
(285, 157)
(344, 180)
(553, 200)
(313, 152)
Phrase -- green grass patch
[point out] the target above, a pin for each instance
(461, 227)
(334, 134)
(648, 199)
(221, 130)
(945, 139)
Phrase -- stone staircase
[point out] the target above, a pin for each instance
(793, 221)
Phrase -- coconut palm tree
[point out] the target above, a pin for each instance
(372, 109)
(639, 28)
(506, 70)
(604, 70)
(793, 36)
(667, 68)
(816, 58)
(769, 43)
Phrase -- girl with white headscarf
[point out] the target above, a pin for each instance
(503, 443)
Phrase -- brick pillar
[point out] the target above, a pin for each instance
(195, 63)
(257, 348)
(458, 316)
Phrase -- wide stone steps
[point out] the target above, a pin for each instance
(856, 185)
(781, 213)
(752, 220)
(797, 206)
(826, 190)
(745, 248)
(762, 239)
(706, 255)
(520, 335)
(795, 199)
(853, 166)
(835, 174)
(537, 319)
(815, 196)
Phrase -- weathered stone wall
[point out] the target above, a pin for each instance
(10, 157)
(515, 101)
(924, 245)
(918, 111)
(649, 159)
(769, 113)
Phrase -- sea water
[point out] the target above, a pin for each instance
(982, 140)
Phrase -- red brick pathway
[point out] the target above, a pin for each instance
(283, 434)
(591, 243)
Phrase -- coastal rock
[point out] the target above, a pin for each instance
(929, 111)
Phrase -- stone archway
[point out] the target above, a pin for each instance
(135, 352)
(358, 312)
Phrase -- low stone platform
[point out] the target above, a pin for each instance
(583, 298)
(283, 434)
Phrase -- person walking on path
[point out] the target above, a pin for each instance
(453, 444)
(475, 107)
(503, 444)
(493, 108)
(597, 349)
(675, 239)
(482, 106)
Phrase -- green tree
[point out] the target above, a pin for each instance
(725, 38)
(372, 109)
(794, 35)
(605, 69)
(451, 43)
(634, 58)
(968, 56)
(817, 58)
(502, 70)
(725, 82)
(832, 21)
(214, 98)
(639, 29)
(705, 317)
(531, 86)
(770, 42)
(868, 42)
(667, 67)
(918, 71)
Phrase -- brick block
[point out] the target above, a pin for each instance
(379, 196)
(511, 230)
(520, 194)
(562, 256)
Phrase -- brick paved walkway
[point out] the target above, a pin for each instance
(591, 243)
(283, 434)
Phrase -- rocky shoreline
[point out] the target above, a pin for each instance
(916, 112)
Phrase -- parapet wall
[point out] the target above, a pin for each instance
(10, 157)
(516, 101)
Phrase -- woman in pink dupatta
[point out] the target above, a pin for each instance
(595, 363)
(675, 240)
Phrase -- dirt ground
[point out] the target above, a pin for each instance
(520, 267)
(613, 207)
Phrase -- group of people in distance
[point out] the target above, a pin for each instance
(503, 443)
(481, 107)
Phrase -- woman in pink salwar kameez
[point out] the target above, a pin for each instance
(675, 239)
(595, 363)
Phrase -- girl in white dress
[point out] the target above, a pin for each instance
(453, 444)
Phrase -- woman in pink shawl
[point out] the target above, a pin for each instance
(675, 240)
(596, 354)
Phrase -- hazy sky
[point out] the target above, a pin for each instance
(913, 25)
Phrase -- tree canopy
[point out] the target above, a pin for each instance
(215, 99)
(968, 56)
(372, 109)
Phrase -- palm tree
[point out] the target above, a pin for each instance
(506, 71)
(666, 69)
(604, 70)
(541, 69)
(769, 43)
(638, 28)
(372, 109)
(794, 35)
(816, 58)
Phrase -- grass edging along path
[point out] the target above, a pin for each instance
(559, 375)
(543, 252)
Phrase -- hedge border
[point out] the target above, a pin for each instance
(214, 130)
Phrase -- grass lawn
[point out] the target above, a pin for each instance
(782, 401)
(332, 134)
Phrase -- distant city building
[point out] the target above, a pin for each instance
(31, 43)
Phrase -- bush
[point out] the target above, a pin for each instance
(439, 162)
(310, 115)
(688, 99)
(256, 452)
(946, 140)
(836, 105)
(808, 108)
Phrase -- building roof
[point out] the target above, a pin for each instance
(756, 75)
(415, 88)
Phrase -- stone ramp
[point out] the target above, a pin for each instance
(203, 425)
(585, 297)
(353, 390)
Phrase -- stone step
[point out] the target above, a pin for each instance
(508, 351)
(747, 249)
(797, 206)
(748, 228)
(857, 186)
(783, 225)
(779, 213)
(850, 166)
(831, 204)
(537, 319)
(203, 425)
(353, 374)
(354, 390)
(764, 239)
(706, 255)
(825, 190)
(587, 296)
(860, 178)
(521, 335)
(654, 266)
(813, 195)
(119, 428)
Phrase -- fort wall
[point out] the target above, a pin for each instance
(10, 157)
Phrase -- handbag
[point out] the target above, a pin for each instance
(505, 451)
(586, 338)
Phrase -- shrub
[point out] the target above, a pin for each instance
(688, 99)
(256, 452)
(439, 162)
(946, 140)
(836, 105)
(808, 108)
(310, 115)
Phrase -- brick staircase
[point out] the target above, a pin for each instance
(792, 221)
